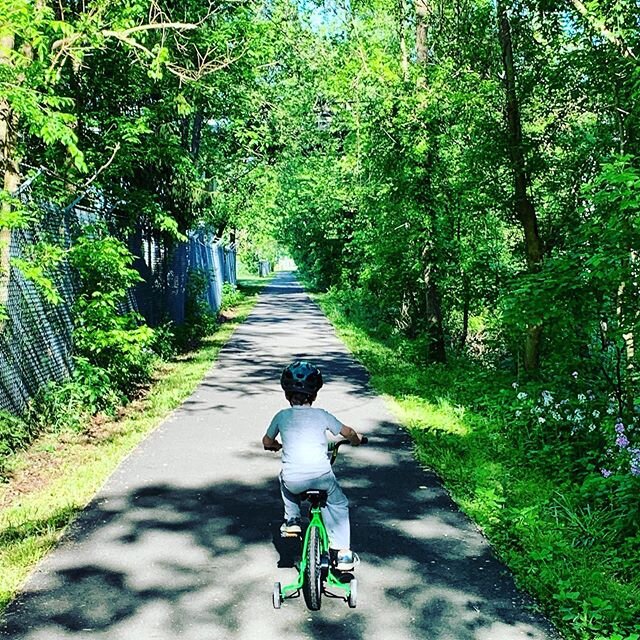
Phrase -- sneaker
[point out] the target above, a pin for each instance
(291, 528)
(345, 560)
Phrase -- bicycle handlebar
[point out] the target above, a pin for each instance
(334, 446)
(338, 443)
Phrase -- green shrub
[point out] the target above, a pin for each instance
(231, 296)
(118, 343)
(200, 320)
(15, 434)
(164, 341)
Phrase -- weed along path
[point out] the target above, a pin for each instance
(183, 541)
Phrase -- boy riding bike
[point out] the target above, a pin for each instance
(305, 464)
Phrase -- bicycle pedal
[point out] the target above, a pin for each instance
(284, 534)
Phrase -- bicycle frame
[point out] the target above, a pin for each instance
(292, 590)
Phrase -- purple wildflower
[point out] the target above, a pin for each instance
(605, 472)
(622, 441)
(635, 462)
(619, 427)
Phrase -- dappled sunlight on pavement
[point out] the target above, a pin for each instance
(183, 541)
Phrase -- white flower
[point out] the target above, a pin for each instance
(581, 397)
(541, 420)
(522, 395)
(596, 414)
(515, 385)
(575, 374)
(547, 398)
(518, 413)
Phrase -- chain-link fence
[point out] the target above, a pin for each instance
(36, 337)
(161, 296)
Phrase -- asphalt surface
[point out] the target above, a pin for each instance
(182, 541)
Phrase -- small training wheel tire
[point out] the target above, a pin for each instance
(277, 597)
(353, 594)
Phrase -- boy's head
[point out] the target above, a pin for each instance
(301, 382)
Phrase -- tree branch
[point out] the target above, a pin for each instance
(600, 26)
(177, 26)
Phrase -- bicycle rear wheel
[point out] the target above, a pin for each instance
(312, 586)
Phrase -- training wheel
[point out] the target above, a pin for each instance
(353, 594)
(277, 596)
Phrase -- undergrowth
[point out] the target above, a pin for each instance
(570, 537)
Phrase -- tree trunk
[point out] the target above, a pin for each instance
(627, 319)
(196, 134)
(437, 351)
(423, 9)
(524, 208)
(465, 313)
(401, 11)
(11, 177)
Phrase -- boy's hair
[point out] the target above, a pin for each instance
(297, 398)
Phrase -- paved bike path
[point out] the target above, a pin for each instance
(182, 542)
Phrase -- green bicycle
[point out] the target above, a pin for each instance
(315, 574)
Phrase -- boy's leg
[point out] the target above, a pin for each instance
(336, 515)
(291, 502)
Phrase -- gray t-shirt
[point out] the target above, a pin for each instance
(304, 438)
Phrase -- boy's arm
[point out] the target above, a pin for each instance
(351, 435)
(270, 444)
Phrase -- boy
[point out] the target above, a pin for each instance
(305, 463)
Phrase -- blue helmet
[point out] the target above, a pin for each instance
(302, 377)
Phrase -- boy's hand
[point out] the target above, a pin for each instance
(270, 444)
(351, 435)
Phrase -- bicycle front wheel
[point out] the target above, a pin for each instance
(312, 586)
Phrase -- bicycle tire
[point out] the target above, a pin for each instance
(352, 600)
(277, 596)
(312, 585)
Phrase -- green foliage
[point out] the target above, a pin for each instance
(15, 433)
(164, 341)
(71, 403)
(40, 266)
(118, 343)
(382, 164)
(231, 296)
(199, 321)
(537, 490)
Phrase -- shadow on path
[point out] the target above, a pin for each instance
(409, 535)
(185, 543)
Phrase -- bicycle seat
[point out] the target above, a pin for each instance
(317, 497)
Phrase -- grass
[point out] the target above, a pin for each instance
(559, 550)
(74, 467)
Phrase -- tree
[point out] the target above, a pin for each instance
(524, 209)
